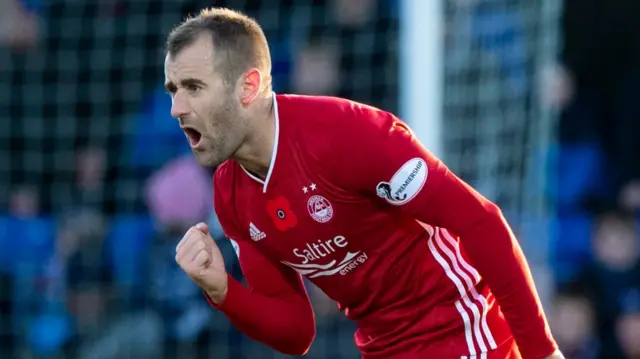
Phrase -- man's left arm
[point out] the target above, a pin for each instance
(388, 162)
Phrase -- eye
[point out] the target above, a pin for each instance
(170, 91)
(193, 88)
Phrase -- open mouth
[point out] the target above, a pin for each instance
(193, 136)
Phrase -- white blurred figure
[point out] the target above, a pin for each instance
(316, 69)
(628, 325)
(353, 13)
(557, 86)
(572, 324)
(19, 29)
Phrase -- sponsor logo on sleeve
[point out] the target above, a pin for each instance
(405, 184)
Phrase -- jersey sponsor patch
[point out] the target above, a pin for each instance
(343, 267)
(405, 184)
(323, 251)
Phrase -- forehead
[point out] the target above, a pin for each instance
(194, 59)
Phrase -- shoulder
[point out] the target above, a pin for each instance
(328, 110)
(335, 123)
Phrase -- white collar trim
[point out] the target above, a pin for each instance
(274, 151)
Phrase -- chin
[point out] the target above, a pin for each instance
(207, 160)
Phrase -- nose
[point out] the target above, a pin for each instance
(179, 105)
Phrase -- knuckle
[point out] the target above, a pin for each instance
(195, 270)
(202, 256)
(190, 269)
(206, 255)
(188, 234)
(181, 263)
(201, 245)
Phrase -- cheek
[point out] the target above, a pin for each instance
(206, 114)
(217, 125)
(230, 119)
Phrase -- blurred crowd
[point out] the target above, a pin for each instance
(596, 254)
(98, 184)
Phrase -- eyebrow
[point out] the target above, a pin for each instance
(171, 86)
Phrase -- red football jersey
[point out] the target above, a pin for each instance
(424, 265)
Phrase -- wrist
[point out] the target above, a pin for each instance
(218, 296)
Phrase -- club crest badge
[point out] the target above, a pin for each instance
(320, 209)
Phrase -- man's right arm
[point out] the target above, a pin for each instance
(274, 308)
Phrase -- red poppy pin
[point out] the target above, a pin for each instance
(280, 211)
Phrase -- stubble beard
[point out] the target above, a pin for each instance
(225, 139)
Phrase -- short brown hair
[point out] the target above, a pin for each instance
(238, 37)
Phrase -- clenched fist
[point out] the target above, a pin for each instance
(199, 256)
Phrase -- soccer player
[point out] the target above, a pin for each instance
(343, 194)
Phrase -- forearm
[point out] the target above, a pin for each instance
(495, 252)
(284, 323)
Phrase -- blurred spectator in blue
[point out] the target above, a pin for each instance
(178, 196)
(87, 186)
(615, 269)
(160, 310)
(26, 246)
(571, 246)
(628, 324)
(334, 333)
(81, 243)
(77, 279)
(89, 190)
(572, 321)
(87, 278)
(24, 220)
(7, 328)
(500, 30)
(597, 81)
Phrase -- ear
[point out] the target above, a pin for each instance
(250, 86)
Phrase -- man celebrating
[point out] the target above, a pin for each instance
(343, 194)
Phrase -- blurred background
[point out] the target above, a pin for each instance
(530, 101)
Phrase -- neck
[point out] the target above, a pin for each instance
(255, 153)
